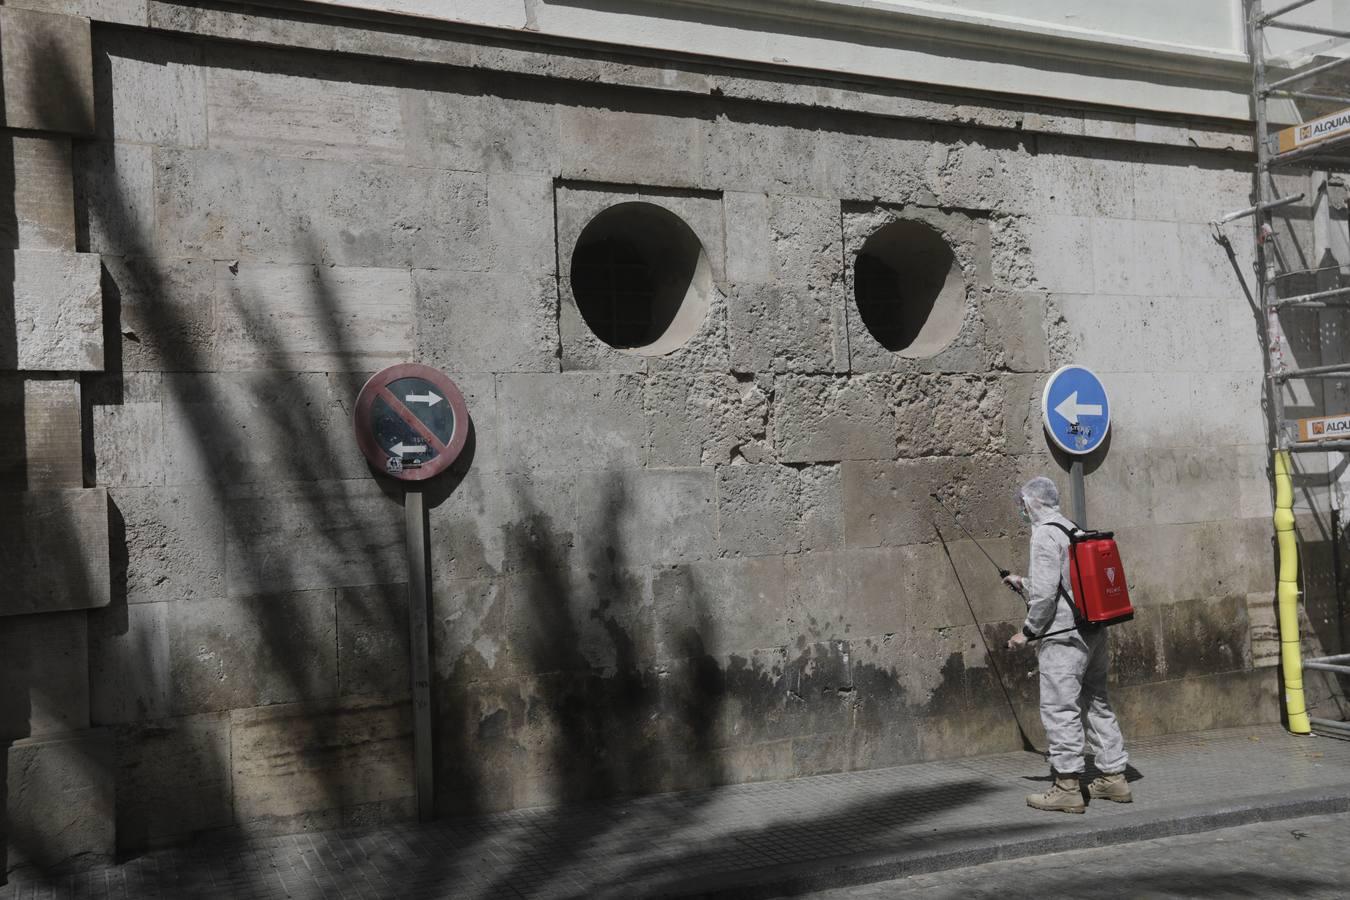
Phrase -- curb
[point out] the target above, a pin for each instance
(867, 868)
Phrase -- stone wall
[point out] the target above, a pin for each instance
(649, 572)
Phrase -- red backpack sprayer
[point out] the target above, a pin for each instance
(1096, 575)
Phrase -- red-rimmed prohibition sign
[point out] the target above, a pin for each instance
(411, 421)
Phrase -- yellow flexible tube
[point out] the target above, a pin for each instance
(1291, 658)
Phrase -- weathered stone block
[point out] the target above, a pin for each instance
(937, 586)
(522, 239)
(60, 802)
(468, 630)
(1061, 256)
(570, 422)
(301, 536)
(825, 419)
(158, 91)
(846, 594)
(1163, 486)
(1230, 700)
(1264, 630)
(1204, 637)
(1138, 651)
(1015, 322)
(44, 194)
(1170, 563)
(806, 242)
(168, 312)
(54, 551)
(129, 674)
(748, 238)
(758, 510)
(635, 517)
(706, 419)
(890, 503)
(460, 123)
(955, 415)
(312, 318)
(42, 416)
(786, 328)
(175, 543)
(1175, 186)
(591, 619)
(47, 71)
(244, 427)
(894, 160)
(119, 196)
(822, 507)
(498, 524)
(1141, 258)
(129, 441)
(57, 309)
(721, 607)
(329, 108)
(173, 779)
(254, 651)
(233, 206)
(487, 322)
(1081, 178)
(981, 170)
(628, 146)
(372, 641)
(1023, 430)
(123, 12)
(44, 665)
(787, 156)
(302, 766)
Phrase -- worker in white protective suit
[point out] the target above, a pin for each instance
(1072, 663)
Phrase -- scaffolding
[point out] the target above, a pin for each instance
(1311, 94)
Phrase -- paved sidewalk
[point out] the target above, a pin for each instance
(754, 840)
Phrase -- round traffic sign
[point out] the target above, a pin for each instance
(1076, 410)
(411, 421)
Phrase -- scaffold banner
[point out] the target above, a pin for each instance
(1314, 132)
(1324, 428)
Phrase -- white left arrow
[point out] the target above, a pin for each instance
(401, 448)
(428, 398)
(1070, 409)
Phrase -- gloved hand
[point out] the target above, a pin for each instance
(1017, 640)
(1014, 582)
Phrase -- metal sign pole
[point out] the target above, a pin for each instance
(1079, 493)
(415, 520)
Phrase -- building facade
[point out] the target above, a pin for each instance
(729, 295)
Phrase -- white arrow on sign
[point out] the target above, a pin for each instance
(428, 398)
(1070, 409)
(401, 448)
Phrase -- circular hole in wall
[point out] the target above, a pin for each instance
(640, 278)
(908, 289)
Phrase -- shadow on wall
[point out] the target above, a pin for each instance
(603, 693)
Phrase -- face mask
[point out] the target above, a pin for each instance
(1023, 511)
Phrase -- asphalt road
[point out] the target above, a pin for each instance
(1293, 858)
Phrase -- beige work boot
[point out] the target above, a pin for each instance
(1063, 796)
(1110, 787)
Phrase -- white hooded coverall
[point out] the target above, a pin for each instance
(1072, 663)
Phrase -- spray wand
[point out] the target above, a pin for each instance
(1002, 572)
(989, 653)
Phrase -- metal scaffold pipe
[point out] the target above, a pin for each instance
(1291, 661)
(1287, 8)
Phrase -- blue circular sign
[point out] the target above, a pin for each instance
(1075, 409)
